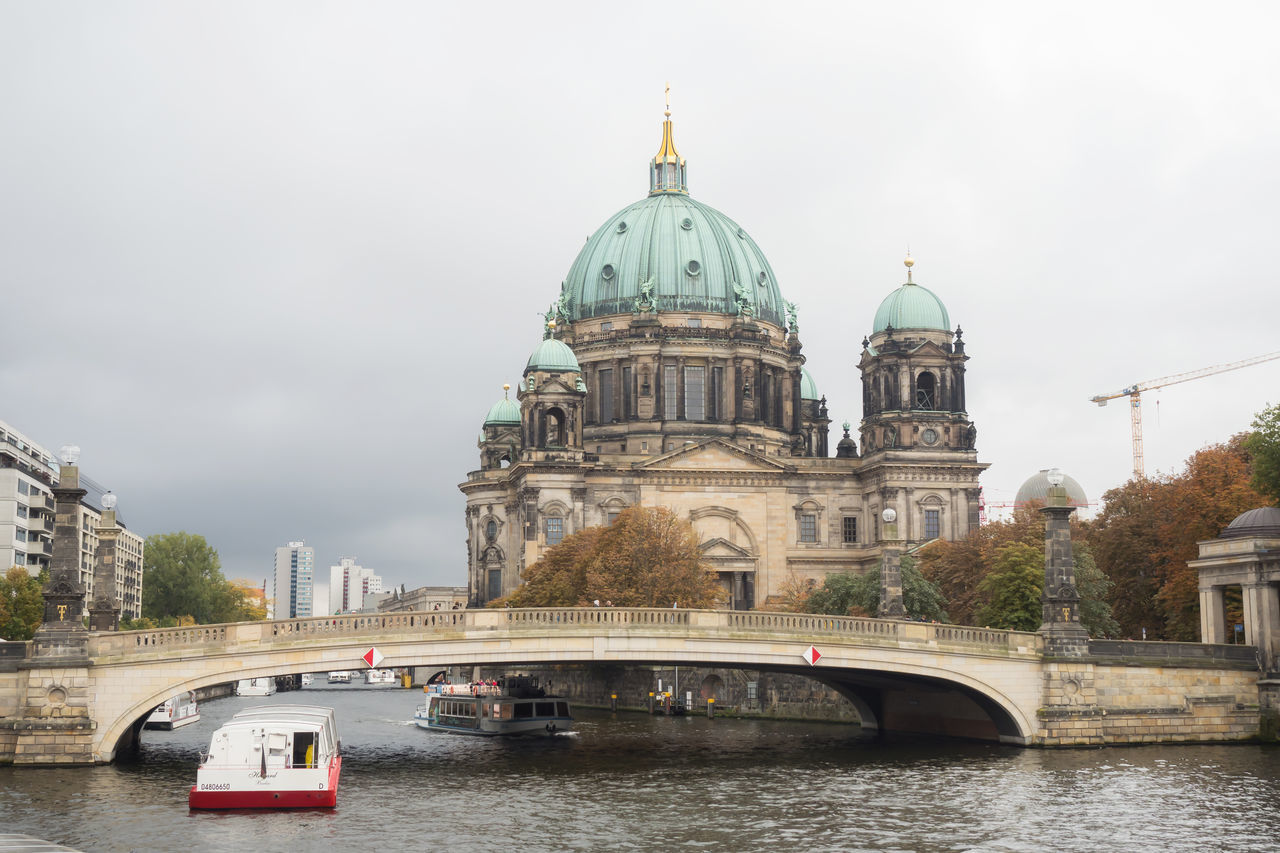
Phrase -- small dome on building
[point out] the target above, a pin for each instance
(503, 412)
(808, 388)
(1263, 521)
(1036, 488)
(553, 355)
(912, 307)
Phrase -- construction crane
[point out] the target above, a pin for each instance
(1134, 393)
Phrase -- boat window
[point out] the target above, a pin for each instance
(502, 710)
(546, 709)
(304, 749)
(523, 709)
(562, 709)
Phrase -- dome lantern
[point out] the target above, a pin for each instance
(667, 168)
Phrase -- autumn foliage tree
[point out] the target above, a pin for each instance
(1148, 531)
(648, 557)
(21, 604)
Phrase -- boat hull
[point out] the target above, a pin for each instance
(169, 725)
(279, 791)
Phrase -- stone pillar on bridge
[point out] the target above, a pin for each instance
(104, 610)
(1064, 635)
(62, 636)
(891, 606)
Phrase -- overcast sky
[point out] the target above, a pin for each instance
(269, 264)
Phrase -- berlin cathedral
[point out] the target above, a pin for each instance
(671, 374)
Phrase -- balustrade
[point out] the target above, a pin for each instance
(413, 624)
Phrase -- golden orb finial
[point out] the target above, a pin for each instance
(909, 262)
(506, 386)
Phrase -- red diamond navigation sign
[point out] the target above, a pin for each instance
(811, 655)
(373, 657)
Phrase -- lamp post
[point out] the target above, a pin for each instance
(62, 635)
(104, 611)
(891, 606)
(1063, 633)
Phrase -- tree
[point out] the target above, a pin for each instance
(847, 594)
(962, 572)
(183, 581)
(21, 604)
(647, 558)
(1148, 532)
(1263, 445)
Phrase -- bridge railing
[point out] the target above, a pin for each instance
(419, 623)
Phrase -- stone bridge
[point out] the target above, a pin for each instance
(900, 675)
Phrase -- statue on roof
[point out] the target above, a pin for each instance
(742, 299)
(792, 325)
(564, 304)
(646, 301)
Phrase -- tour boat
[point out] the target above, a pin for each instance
(516, 705)
(176, 711)
(340, 677)
(271, 757)
(307, 679)
(379, 676)
(256, 686)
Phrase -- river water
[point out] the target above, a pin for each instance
(634, 782)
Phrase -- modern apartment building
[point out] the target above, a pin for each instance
(294, 586)
(27, 472)
(350, 585)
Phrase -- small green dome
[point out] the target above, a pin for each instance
(553, 355)
(912, 307)
(503, 412)
(808, 388)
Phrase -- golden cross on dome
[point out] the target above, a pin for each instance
(668, 112)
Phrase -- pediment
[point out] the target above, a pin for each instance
(929, 348)
(721, 547)
(713, 454)
(555, 386)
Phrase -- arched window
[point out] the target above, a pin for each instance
(926, 391)
(554, 428)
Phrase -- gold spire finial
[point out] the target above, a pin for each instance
(909, 263)
(668, 111)
(506, 386)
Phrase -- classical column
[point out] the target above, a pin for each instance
(104, 610)
(891, 606)
(62, 634)
(1063, 633)
(1212, 620)
(1262, 621)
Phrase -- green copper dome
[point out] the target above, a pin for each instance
(505, 411)
(692, 254)
(912, 307)
(808, 388)
(552, 355)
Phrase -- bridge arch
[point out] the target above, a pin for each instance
(987, 681)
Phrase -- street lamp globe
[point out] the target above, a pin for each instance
(108, 501)
(1055, 477)
(69, 454)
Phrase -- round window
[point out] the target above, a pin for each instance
(622, 227)
(686, 223)
(929, 436)
(693, 267)
(607, 271)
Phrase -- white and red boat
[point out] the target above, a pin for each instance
(176, 712)
(271, 757)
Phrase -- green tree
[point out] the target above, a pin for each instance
(1094, 587)
(1013, 589)
(21, 604)
(848, 594)
(1263, 445)
(648, 557)
(183, 581)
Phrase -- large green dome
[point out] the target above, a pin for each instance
(692, 253)
(554, 356)
(912, 307)
(808, 388)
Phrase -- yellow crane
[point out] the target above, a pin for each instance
(1134, 393)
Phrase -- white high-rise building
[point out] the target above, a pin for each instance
(294, 587)
(349, 584)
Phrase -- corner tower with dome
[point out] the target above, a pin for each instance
(671, 373)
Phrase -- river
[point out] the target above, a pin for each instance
(634, 782)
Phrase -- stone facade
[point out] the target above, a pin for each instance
(675, 376)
